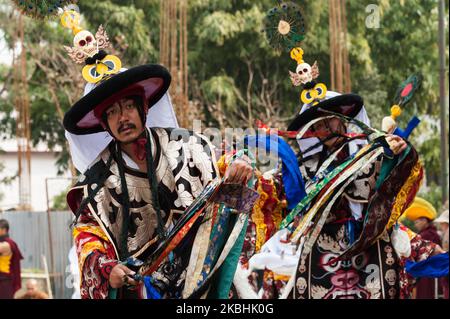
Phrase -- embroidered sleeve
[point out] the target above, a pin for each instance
(96, 257)
(421, 249)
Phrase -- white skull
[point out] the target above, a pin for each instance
(392, 292)
(390, 261)
(301, 285)
(304, 72)
(388, 249)
(85, 41)
(391, 277)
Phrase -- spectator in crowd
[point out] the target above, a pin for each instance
(422, 213)
(32, 291)
(442, 222)
(10, 257)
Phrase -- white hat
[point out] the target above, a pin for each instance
(307, 143)
(84, 149)
(443, 218)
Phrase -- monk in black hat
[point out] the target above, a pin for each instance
(129, 200)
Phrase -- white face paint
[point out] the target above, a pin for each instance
(85, 42)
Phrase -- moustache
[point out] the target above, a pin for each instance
(126, 126)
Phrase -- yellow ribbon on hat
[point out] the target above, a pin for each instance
(70, 19)
(315, 95)
(297, 55)
(420, 208)
(94, 73)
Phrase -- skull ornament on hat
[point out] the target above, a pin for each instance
(88, 49)
(305, 74)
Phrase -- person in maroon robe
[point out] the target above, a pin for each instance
(442, 223)
(425, 288)
(10, 256)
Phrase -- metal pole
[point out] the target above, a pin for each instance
(47, 277)
(443, 104)
(52, 260)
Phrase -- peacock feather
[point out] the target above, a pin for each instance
(407, 89)
(284, 26)
(41, 9)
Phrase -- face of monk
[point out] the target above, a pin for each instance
(329, 127)
(31, 285)
(124, 120)
(421, 223)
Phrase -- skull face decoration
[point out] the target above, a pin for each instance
(301, 285)
(85, 41)
(88, 49)
(85, 44)
(391, 277)
(304, 73)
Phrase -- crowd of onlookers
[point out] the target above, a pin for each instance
(434, 228)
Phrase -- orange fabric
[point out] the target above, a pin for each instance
(5, 263)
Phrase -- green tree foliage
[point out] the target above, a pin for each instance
(59, 202)
(234, 75)
(5, 180)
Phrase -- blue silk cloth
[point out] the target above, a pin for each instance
(294, 186)
(433, 267)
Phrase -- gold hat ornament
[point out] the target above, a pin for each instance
(88, 49)
(304, 75)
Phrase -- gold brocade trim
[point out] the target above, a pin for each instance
(410, 233)
(400, 200)
(281, 277)
(87, 249)
(276, 215)
(258, 218)
(222, 164)
(95, 230)
(258, 215)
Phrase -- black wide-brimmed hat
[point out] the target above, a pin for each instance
(150, 81)
(346, 104)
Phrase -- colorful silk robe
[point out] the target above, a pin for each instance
(184, 166)
(345, 233)
(342, 229)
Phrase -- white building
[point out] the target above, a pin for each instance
(43, 171)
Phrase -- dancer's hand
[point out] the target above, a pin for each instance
(239, 172)
(396, 143)
(119, 276)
